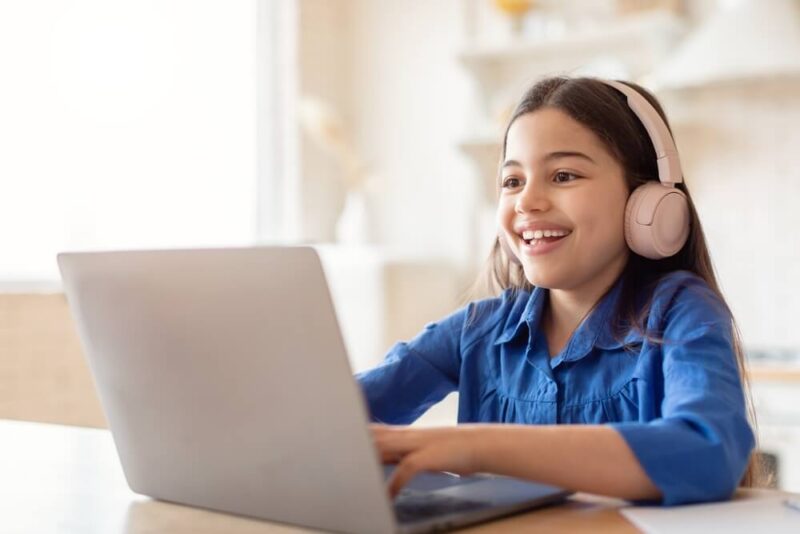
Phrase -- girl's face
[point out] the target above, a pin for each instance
(562, 202)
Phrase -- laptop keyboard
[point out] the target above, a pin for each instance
(410, 506)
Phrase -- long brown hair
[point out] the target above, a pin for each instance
(605, 112)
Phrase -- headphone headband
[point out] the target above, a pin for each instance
(669, 165)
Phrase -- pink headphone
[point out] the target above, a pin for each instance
(657, 213)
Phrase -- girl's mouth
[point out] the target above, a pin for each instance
(542, 242)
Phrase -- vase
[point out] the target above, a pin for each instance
(355, 225)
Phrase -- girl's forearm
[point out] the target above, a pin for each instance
(590, 458)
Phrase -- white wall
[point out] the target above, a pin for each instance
(411, 99)
(124, 124)
(739, 145)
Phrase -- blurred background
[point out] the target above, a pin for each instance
(371, 129)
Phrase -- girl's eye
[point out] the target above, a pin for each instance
(511, 182)
(564, 176)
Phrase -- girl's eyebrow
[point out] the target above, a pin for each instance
(551, 156)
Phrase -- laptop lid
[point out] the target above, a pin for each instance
(226, 385)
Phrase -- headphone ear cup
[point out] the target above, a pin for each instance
(507, 250)
(656, 220)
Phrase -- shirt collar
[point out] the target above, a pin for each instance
(526, 320)
(595, 331)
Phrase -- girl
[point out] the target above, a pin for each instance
(610, 357)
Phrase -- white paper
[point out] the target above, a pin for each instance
(745, 514)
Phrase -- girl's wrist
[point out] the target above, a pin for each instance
(481, 441)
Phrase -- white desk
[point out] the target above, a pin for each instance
(62, 479)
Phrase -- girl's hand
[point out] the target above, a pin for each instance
(453, 449)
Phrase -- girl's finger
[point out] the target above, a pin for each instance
(405, 471)
(388, 457)
(397, 442)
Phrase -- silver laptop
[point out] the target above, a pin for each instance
(226, 385)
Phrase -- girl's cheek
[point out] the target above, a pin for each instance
(505, 213)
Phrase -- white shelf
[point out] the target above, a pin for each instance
(654, 28)
(628, 48)
(755, 79)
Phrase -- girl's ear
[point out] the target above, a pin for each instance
(507, 250)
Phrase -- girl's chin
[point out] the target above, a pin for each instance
(543, 278)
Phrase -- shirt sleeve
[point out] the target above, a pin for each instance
(416, 374)
(700, 447)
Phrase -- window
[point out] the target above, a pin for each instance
(126, 124)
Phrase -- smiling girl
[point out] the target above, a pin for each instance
(609, 362)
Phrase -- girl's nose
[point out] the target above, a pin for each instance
(533, 197)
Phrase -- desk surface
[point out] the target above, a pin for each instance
(61, 479)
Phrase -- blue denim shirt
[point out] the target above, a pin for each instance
(678, 404)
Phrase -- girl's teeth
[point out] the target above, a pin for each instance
(538, 234)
